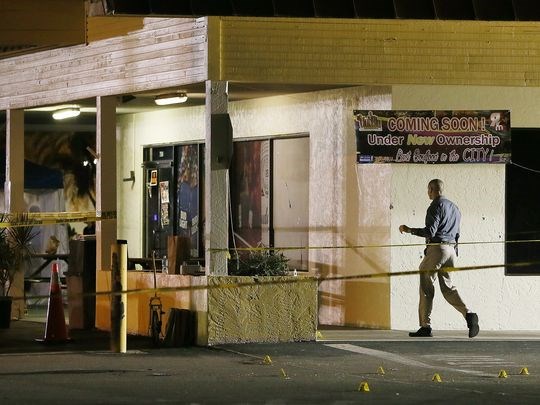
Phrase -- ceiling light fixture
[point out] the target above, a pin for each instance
(172, 98)
(64, 113)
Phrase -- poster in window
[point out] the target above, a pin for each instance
(188, 195)
(265, 193)
(165, 214)
(164, 191)
(153, 177)
(250, 193)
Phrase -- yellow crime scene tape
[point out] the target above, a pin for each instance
(44, 218)
(18, 219)
(286, 248)
(260, 281)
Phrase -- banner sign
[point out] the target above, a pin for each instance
(432, 136)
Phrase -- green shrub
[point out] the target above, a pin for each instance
(263, 262)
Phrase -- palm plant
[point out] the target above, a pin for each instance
(15, 247)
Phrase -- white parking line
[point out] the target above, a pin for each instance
(396, 358)
(470, 361)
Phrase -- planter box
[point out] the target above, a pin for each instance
(283, 311)
(263, 309)
(138, 313)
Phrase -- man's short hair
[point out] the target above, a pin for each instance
(436, 185)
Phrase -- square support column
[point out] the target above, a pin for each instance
(216, 196)
(105, 178)
(14, 190)
(14, 185)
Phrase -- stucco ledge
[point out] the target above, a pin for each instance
(244, 309)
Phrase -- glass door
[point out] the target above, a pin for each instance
(159, 200)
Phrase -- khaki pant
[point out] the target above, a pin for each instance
(437, 258)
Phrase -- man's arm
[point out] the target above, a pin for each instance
(432, 222)
(413, 231)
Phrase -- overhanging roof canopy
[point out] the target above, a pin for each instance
(32, 25)
(489, 10)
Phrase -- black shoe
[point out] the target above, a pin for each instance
(424, 331)
(472, 324)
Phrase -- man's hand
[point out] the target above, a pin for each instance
(404, 228)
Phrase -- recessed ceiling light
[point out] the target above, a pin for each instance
(64, 113)
(172, 98)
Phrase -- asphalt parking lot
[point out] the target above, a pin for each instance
(344, 366)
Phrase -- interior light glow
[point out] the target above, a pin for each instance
(173, 98)
(64, 113)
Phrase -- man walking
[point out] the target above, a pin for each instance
(441, 233)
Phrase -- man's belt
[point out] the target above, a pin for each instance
(443, 242)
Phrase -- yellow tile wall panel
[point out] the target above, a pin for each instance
(42, 24)
(99, 28)
(332, 51)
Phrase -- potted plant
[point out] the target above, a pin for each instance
(263, 262)
(260, 301)
(15, 249)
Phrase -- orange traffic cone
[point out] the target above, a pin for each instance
(55, 329)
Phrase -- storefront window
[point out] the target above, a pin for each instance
(522, 211)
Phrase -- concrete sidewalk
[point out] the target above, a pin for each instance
(21, 337)
(333, 334)
(22, 334)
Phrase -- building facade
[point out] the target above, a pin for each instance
(309, 75)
